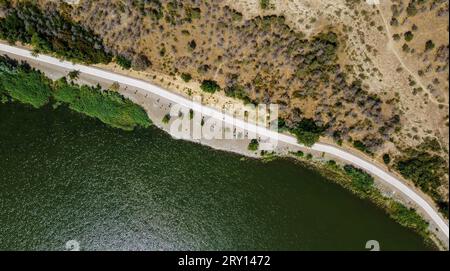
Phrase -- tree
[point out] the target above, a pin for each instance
(387, 158)
(186, 77)
(409, 36)
(307, 132)
(429, 45)
(73, 75)
(210, 86)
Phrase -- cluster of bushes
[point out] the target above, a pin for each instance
(426, 171)
(19, 82)
(49, 31)
(358, 144)
(210, 86)
(361, 181)
(22, 83)
(307, 132)
(123, 62)
(238, 92)
(407, 217)
(321, 56)
(151, 8)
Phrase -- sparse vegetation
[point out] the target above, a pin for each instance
(265, 4)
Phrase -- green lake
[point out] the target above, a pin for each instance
(64, 176)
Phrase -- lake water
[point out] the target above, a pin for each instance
(66, 177)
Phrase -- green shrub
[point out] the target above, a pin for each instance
(429, 45)
(264, 4)
(408, 217)
(254, 145)
(166, 118)
(186, 77)
(123, 62)
(361, 181)
(409, 36)
(361, 146)
(386, 158)
(238, 92)
(210, 86)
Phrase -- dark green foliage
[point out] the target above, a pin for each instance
(151, 8)
(429, 45)
(361, 181)
(49, 31)
(123, 62)
(321, 56)
(238, 92)
(361, 146)
(386, 158)
(411, 10)
(407, 217)
(307, 132)
(409, 36)
(23, 84)
(443, 207)
(264, 4)
(108, 106)
(186, 77)
(210, 86)
(166, 118)
(281, 124)
(254, 145)
(192, 45)
(74, 75)
(192, 13)
(424, 169)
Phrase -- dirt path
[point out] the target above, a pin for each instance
(391, 46)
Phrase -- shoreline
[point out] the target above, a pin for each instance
(157, 107)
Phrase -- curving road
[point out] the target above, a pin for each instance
(205, 110)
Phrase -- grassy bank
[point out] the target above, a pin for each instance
(19, 82)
